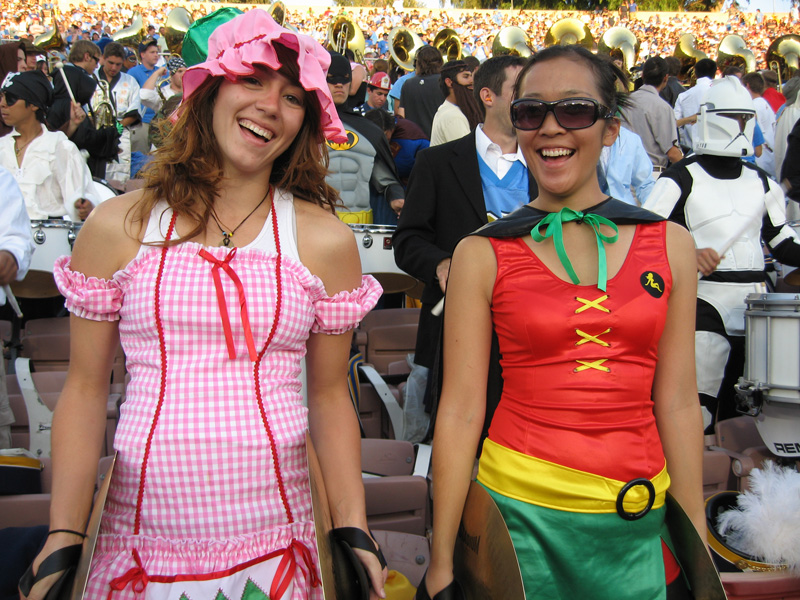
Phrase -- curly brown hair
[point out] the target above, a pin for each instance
(186, 170)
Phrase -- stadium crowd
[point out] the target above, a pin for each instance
(657, 32)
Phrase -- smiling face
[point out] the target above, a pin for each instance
(564, 161)
(255, 119)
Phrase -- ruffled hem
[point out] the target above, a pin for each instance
(90, 298)
(343, 312)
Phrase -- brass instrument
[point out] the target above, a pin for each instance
(782, 56)
(622, 39)
(50, 39)
(344, 34)
(512, 41)
(448, 43)
(403, 46)
(733, 51)
(162, 84)
(133, 35)
(177, 24)
(569, 31)
(688, 54)
(277, 10)
(103, 113)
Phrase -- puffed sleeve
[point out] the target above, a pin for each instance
(89, 297)
(342, 312)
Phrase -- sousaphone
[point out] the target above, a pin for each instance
(569, 31)
(623, 40)
(51, 39)
(783, 54)
(688, 54)
(403, 46)
(345, 34)
(178, 22)
(448, 43)
(511, 41)
(133, 35)
(733, 51)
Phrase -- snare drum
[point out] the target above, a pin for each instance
(377, 257)
(52, 238)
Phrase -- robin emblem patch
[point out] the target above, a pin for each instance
(653, 283)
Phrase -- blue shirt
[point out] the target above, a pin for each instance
(625, 165)
(397, 86)
(140, 74)
(758, 139)
(505, 195)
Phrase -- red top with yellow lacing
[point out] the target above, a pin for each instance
(578, 363)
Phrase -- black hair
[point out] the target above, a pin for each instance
(673, 65)
(381, 118)
(605, 72)
(705, 68)
(450, 71)
(492, 75)
(654, 71)
(428, 61)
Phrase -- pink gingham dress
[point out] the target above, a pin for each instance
(211, 498)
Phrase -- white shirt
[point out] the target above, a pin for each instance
(688, 104)
(151, 98)
(766, 120)
(124, 96)
(53, 174)
(15, 227)
(493, 156)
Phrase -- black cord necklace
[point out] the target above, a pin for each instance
(228, 235)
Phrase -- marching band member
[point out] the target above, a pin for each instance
(716, 194)
(49, 169)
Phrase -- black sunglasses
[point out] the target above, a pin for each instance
(11, 99)
(528, 114)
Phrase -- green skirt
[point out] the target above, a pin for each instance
(585, 556)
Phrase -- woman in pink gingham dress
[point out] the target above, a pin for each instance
(211, 476)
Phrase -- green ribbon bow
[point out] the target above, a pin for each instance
(554, 222)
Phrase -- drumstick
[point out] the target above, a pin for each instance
(733, 239)
(436, 311)
(60, 67)
(12, 301)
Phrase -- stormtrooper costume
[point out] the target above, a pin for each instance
(731, 206)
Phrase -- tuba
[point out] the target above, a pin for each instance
(688, 54)
(103, 113)
(50, 39)
(622, 39)
(733, 51)
(133, 35)
(177, 24)
(344, 34)
(782, 56)
(277, 10)
(512, 41)
(569, 31)
(447, 42)
(403, 46)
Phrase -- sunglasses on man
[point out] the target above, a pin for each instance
(10, 99)
(528, 114)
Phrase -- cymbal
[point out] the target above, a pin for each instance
(792, 278)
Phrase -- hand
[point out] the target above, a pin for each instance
(8, 267)
(161, 71)
(437, 579)
(707, 260)
(397, 205)
(76, 115)
(442, 272)
(372, 566)
(84, 207)
(54, 542)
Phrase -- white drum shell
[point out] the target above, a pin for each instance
(377, 257)
(52, 238)
(772, 359)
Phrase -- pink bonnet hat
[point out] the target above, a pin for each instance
(234, 47)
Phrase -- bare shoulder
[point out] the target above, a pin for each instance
(681, 252)
(110, 237)
(474, 265)
(475, 248)
(327, 247)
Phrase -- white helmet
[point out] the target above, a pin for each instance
(718, 130)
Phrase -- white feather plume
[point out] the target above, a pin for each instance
(766, 522)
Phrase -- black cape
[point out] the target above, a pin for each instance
(518, 224)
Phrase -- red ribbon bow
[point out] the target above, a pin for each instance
(223, 308)
(136, 577)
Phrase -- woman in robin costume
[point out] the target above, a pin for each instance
(593, 304)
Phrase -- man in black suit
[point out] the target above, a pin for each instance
(457, 187)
